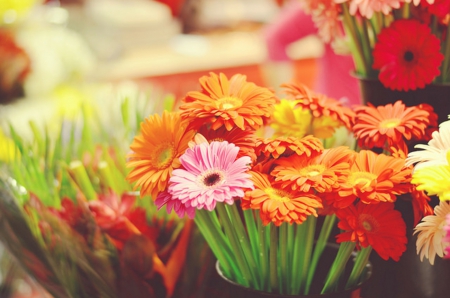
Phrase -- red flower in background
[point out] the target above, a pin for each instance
(377, 225)
(439, 8)
(14, 67)
(407, 55)
(117, 216)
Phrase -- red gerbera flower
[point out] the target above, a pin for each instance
(440, 8)
(379, 226)
(407, 55)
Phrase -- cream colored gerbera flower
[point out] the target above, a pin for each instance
(435, 152)
(430, 233)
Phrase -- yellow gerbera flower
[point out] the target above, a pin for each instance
(289, 120)
(434, 180)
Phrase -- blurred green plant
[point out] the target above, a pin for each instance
(73, 222)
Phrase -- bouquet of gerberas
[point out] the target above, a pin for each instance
(266, 180)
(404, 43)
(72, 221)
(432, 174)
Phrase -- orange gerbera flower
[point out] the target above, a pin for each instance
(278, 205)
(320, 105)
(244, 139)
(321, 173)
(228, 103)
(156, 152)
(377, 178)
(379, 226)
(287, 146)
(391, 124)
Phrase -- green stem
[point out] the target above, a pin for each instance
(321, 242)
(406, 12)
(213, 239)
(80, 176)
(361, 261)
(351, 28)
(252, 230)
(297, 260)
(344, 253)
(273, 258)
(230, 232)
(263, 255)
(308, 248)
(244, 241)
(282, 246)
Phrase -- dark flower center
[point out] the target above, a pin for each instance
(211, 179)
(408, 56)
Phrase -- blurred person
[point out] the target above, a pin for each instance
(334, 77)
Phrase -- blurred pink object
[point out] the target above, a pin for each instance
(334, 71)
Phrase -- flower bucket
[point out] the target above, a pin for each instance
(436, 95)
(235, 290)
(409, 277)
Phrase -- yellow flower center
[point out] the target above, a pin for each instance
(362, 179)
(368, 222)
(228, 103)
(277, 195)
(390, 123)
(312, 171)
(163, 155)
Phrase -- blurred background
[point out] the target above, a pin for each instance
(56, 56)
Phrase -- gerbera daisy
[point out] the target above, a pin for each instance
(417, 2)
(287, 146)
(164, 198)
(446, 239)
(435, 152)
(434, 179)
(156, 152)
(321, 173)
(319, 104)
(327, 20)
(430, 233)
(228, 103)
(387, 125)
(440, 8)
(210, 174)
(379, 226)
(376, 178)
(367, 7)
(279, 205)
(244, 139)
(289, 120)
(407, 55)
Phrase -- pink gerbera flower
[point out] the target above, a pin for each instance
(367, 7)
(164, 198)
(407, 55)
(210, 174)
